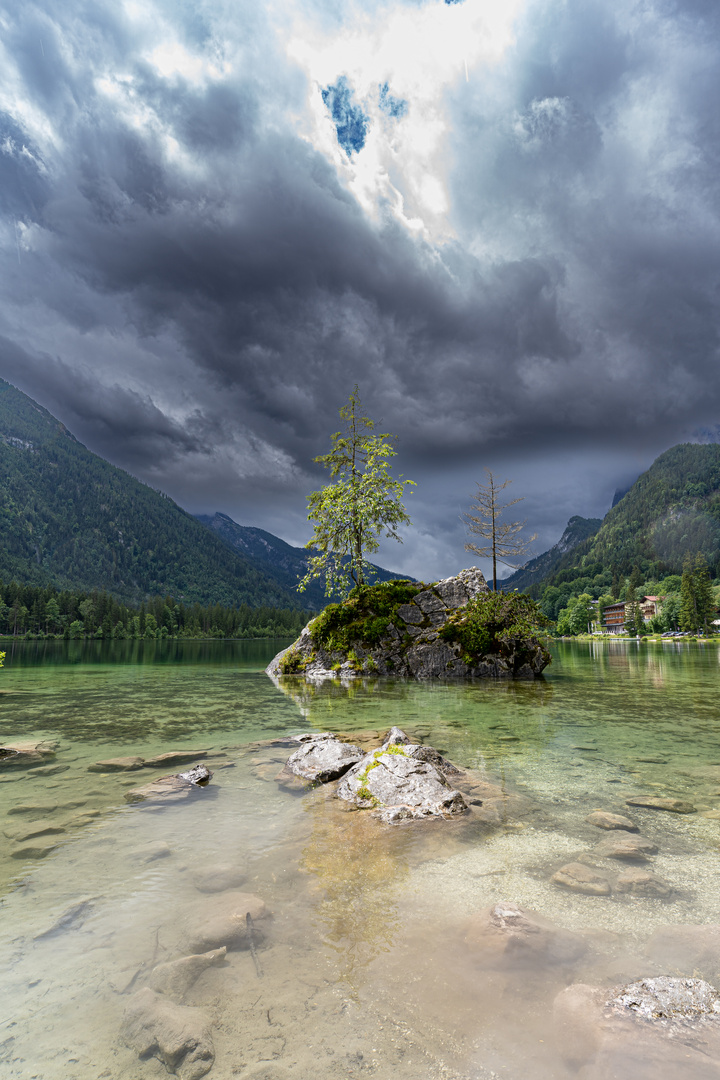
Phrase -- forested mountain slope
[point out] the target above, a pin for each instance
(671, 511)
(287, 564)
(69, 518)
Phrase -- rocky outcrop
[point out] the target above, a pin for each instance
(413, 643)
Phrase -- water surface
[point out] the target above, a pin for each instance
(366, 970)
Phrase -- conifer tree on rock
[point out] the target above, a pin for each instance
(363, 504)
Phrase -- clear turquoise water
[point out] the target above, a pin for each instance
(365, 967)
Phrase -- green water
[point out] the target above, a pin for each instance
(365, 966)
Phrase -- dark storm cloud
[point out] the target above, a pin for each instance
(193, 287)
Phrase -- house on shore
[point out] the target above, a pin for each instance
(615, 615)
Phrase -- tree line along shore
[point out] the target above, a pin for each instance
(33, 613)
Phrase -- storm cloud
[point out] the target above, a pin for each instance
(500, 220)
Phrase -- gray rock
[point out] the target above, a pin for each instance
(579, 878)
(656, 802)
(395, 737)
(640, 882)
(431, 606)
(118, 764)
(398, 785)
(624, 846)
(175, 978)
(31, 831)
(666, 998)
(507, 935)
(177, 1035)
(152, 851)
(410, 613)
(323, 759)
(602, 819)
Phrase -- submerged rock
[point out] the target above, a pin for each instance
(171, 788)
(219, 877)
(580, 878)
(222, 921)
(508, 934)
(602, 819)
(623, 846)
(117, 764)
(179, 1036)
(401, 781)
(640, 882)
(406, 629)
(176, 977)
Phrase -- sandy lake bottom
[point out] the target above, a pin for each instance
(366, 965)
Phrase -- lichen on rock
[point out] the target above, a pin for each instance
(455, 628)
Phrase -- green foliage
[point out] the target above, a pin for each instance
(294, 663)
(363, 504)
(2, 658)
(577, 617)
(497, 624)
(697, 603)
(71, 520)
(364, 617)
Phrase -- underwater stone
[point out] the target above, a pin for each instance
(602, 819)
(624, 846)
(222, 920)
(653, 802)
(118, 764)
(582, 879)
(171, 788)
(176, 977)
(508, 934)
(179, 1036)
(639, 882)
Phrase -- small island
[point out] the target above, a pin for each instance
(455, 628)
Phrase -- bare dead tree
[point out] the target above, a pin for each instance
(484, 520)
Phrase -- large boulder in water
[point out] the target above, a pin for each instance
(321, 757)
(401, 781)
(411, 630)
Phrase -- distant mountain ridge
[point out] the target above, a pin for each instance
(69, 518)
(577, 530)
(288, 563)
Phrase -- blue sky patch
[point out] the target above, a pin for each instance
(350, 121)
(393, 106)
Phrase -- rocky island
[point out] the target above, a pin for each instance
(455, 628)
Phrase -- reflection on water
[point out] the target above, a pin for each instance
(366, 964)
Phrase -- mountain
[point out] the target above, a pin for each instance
(287, 564)
(577, 530)
(670, 511)
(69, 518)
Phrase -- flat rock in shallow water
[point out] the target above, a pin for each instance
(178, 1036)
(602, 819)
(656, 802)
(171, 788)
(177, 977)
(26, 753)
(117, 764)
(623, 846)
(639, 882)
(219, 878)
(582, 879)
(508, 934)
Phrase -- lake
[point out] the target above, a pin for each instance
(369, 964)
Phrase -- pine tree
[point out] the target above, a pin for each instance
(688, 601)
(704, 599)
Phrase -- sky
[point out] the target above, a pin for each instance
(500, 218)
